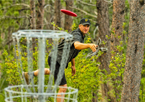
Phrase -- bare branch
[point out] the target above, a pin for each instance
(21, 4)
(47, 5)
(86, 3)
(92, 40)
(94, 33)
(109, 1)
(8, 42)
(11, 17)
(85, 12)
(95, 12)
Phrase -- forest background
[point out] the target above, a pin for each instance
(115, 76)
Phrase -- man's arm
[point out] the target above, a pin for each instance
(73, 66)
(73, 62)
(81, 46)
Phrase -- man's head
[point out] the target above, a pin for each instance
(84, 25)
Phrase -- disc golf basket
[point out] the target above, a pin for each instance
(40, 91)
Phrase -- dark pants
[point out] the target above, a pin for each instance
(63, 80)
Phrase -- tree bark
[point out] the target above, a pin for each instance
(14, 1)
(103, 21)
(68, 19)
(57, 17)
(33, 20)
(135, 51)
(49, 15)
(117, 23)
(117, 34)
(33, 12)
(40, 14)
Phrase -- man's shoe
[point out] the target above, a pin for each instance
(26, 76)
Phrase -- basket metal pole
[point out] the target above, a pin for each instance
(41, 65)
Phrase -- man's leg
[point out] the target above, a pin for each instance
(63, 86)
(60, 98)
(46, 71)
(26, 75)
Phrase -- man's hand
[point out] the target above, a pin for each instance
(93, 47)
(73, 70)
(81, 46)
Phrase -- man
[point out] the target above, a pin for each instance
(76, 46)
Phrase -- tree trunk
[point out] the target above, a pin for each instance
(117, 34)
(68, 19)
(57, 17)
(135, 51)
(117, 23)
(33, 20)
(32, 10)
(14, 1)
(103, 21)
(49, 14)
(40, 14)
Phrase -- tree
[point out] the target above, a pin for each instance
(103, 22)
(68, 19)
(49, 14)
(33, 12)
(117, 23)
(40, 14)
(57, 17)
(135, 51)
(117, 36)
